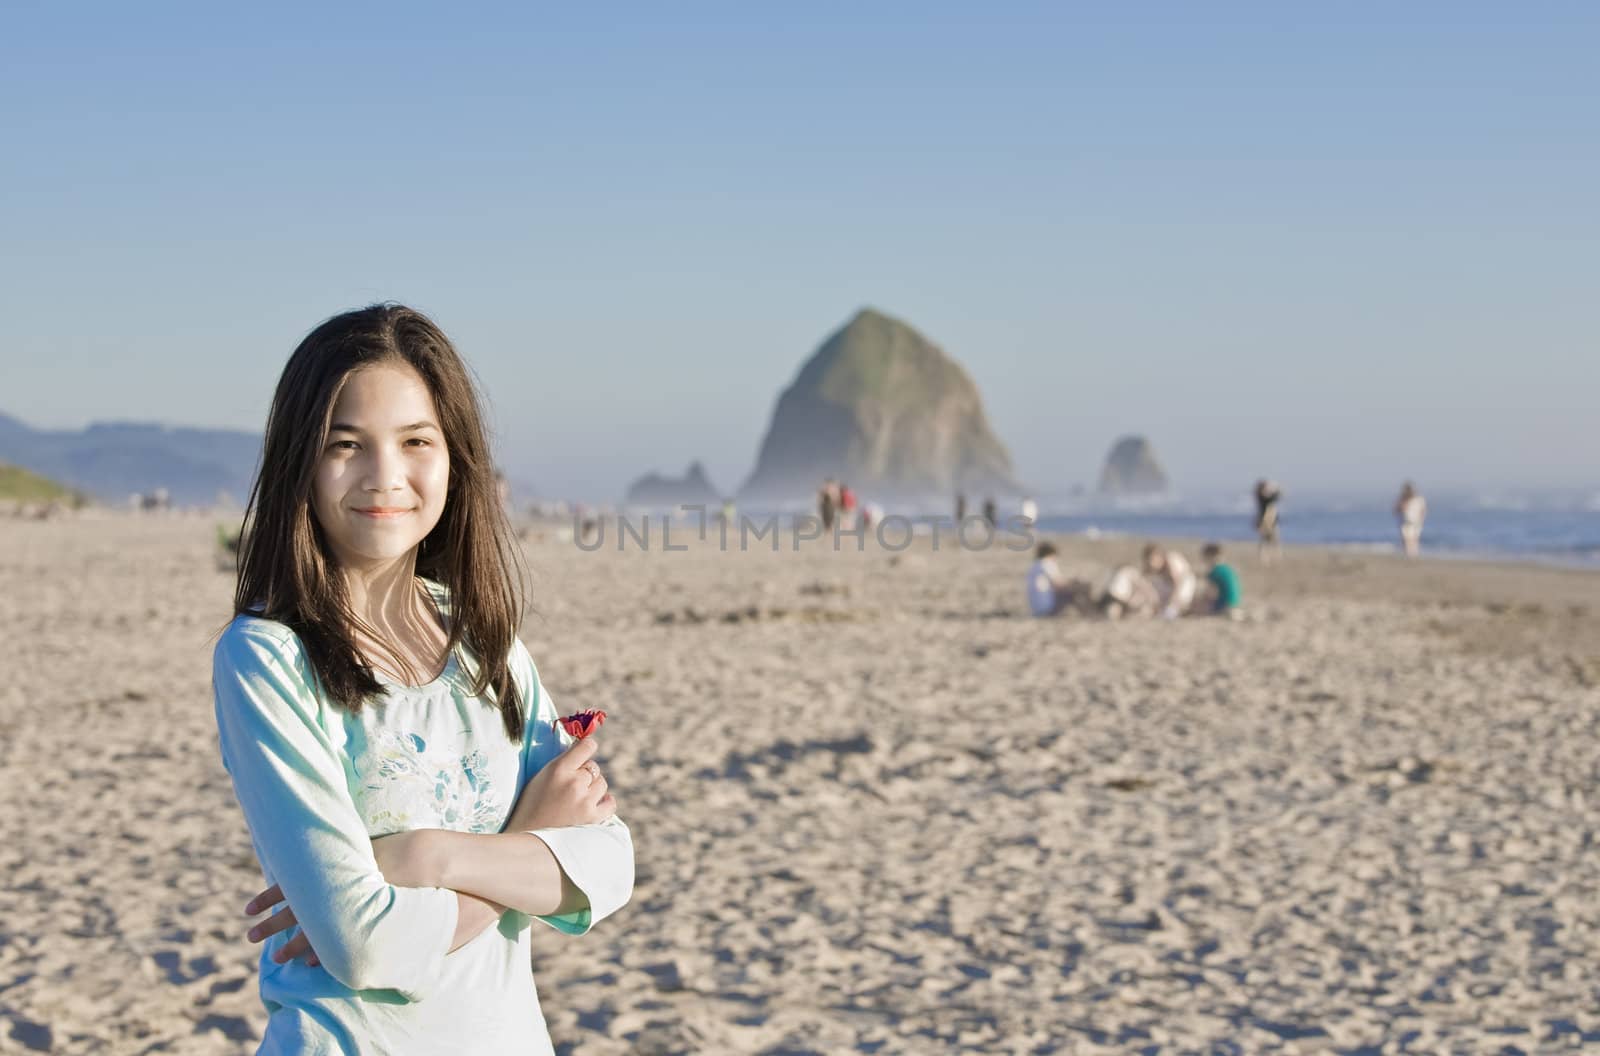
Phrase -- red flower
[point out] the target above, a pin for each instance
(583, 723)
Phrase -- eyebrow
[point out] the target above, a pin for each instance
(345, 427)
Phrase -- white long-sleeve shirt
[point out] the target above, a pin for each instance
(317, 783)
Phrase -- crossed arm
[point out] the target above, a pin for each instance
(377, 932)
(488, 872)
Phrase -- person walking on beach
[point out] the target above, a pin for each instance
(411, 797)
(1267, 496)
(1410, 510)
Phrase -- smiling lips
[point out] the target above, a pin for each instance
(383, 511)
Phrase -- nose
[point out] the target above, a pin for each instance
(385, 472)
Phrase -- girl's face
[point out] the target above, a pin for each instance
(381, 480)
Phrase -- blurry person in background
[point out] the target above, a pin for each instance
(1224, 583)
(1410, 509)
(1045, 582)
(1030, 512)
(1267, 496)
(1174, 580)
(1128, 593)
(827, 503)
(1050, 593)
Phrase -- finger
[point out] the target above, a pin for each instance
(270, 897)
(606, 807)
(295, 947)
(581, 752)
(597, 789)
(279, 921)
(313, 960)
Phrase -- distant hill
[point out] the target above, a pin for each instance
(1131, 469)
(692, 488)
(19, 485)
(885, 410)
(112, 460)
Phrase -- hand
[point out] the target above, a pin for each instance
(283, 919)
(408, 859)
(570, 790)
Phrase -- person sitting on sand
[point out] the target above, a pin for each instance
(1045, 582)
(411, 797)
(1174, 580)
(1050, 594)
(1128, 592)
(1224, 582)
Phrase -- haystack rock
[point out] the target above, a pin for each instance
(1132, 469)
(883, 409)
(692, 488)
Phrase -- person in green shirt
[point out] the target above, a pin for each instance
(1224, 581)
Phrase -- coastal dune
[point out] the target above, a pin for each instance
(878, 809)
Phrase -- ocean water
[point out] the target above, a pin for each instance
(1556, 531)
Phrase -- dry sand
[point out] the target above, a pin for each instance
(879, 810)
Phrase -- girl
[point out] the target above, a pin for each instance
(410, 800)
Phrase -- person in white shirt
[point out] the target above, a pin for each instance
(1411, 509)
(1128, 592)
(411, 793)
(1174, 580)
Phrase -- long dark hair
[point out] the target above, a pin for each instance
(286, 569)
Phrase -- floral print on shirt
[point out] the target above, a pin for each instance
(403, 785)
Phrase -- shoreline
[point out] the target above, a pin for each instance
(1584, 559)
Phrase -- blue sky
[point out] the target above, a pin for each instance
(1338, 247)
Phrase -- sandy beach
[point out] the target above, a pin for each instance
(878, 809)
